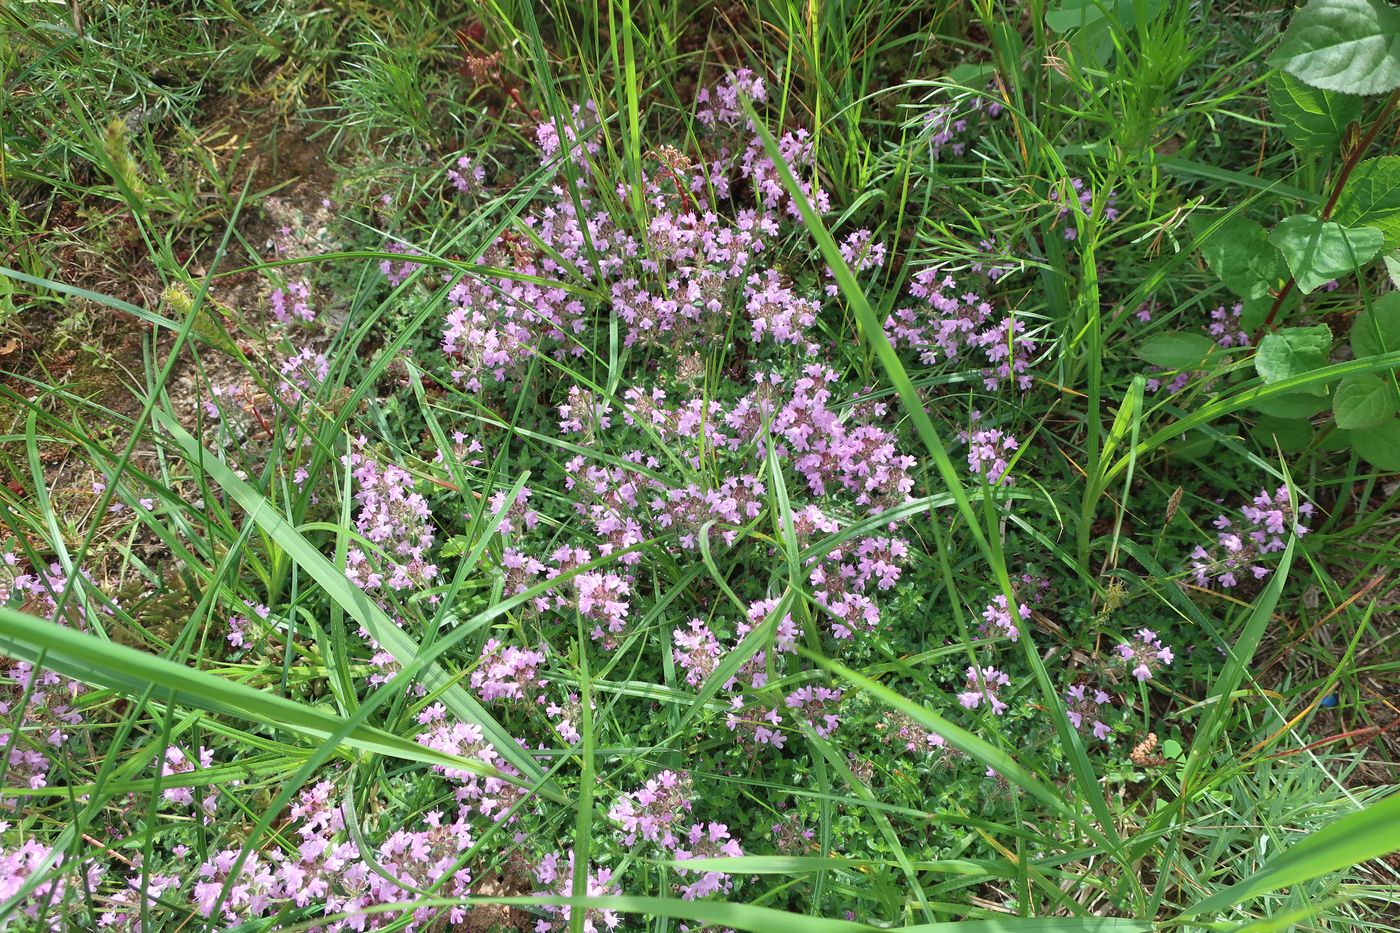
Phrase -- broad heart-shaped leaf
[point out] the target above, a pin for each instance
(1292, 351)
(1319, 251)
(1371, 198)
(1379, 446)
(1175, 350)
(1343, 45)
(1364, 402)
(1239, 251)
(1312, 118)
(1376, 330)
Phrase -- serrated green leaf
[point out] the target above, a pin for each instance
(1312, 118)
(455, 546)
(1292, 351)
(1343, 45)
(1239, 251)
(1371, 198)
(1319, 251)
(1379, 446)
(1175, 350)
(1376, 330)
(1392, 267)
(1364, 402)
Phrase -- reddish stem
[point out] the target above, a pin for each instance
(1352, 160)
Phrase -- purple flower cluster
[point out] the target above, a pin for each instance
(989, 454)
(396, 518)
(292, 302)
(944, 324)
(38, 706)
(650, 812)
(953, 126)
(1224, 328)
(466, 175)
(1085, 196)
(178, 762)
(913, 737)
(1242, 545)
(658, 812)
(555, 877)
(997, 618)
(1087, 709)
(983, 686)
(1145, 654)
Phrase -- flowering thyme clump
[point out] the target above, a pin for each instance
(1145, 654)
(989, 453)
(984, 683)
(997, 618)
(813, 704)
(1086, 709)
(1240, 547)
(651, 811)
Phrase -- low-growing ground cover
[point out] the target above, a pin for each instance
(799, 467)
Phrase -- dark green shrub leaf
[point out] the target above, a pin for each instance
(1343, 45)
(1371, 198)
(1240, 253)
(1288, 433)
(1293, 351)
(1364, 402)
(1173, 350)
(1377, 329)
(1318, 252)
(1291, 405)
(1256, 310)
(1380, 446)
(1312, 118)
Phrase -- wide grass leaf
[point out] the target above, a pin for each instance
(353, 600)
(129, 672)
(768, 920)
(1351, 840)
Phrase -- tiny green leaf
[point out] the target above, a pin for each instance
(1175, 350)
(1380, 446)
(1371, 198)
(1364, 402)
(1312, 118)
(1239, 251)
(1343, 45)
(1319, 251)
(1293, 351)
(1377, 329)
